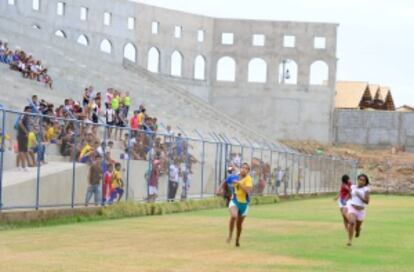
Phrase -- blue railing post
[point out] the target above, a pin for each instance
(184, 192)
(215, 161)
(39, 147)
(76, 127)
(269, 179)
(220, 166)
(203, 154)
(226, 154)
(241, 148)
(3, 131)
(128, 163)
(286, 173)
(104, 149)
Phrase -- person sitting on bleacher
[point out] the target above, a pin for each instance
(86, 150)
(52, 131)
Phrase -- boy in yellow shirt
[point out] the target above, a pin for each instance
(117, 184)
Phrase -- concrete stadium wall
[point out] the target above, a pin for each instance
(284, 111)
(374, 128)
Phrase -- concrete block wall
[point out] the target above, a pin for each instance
(374, 128)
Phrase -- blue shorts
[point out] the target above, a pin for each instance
(242, 208)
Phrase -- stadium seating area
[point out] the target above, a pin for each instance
(154, 139)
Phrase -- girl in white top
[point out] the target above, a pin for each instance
(356, 206)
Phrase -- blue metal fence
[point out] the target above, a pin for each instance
(203, 163)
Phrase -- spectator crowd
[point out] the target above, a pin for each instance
(24, 63)
(87, 131)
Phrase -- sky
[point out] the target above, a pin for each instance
(375, 37)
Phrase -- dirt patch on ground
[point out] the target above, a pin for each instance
(391, 170)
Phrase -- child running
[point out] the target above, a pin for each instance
(117, 184)
(107, 184)
(343, 196)
(226, 187)
(239, 204)
(356, 206)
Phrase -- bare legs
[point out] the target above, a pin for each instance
(353, 226)
(344, 217)
(240, 220)
(21, 159)
(232, 222)
(358, 228)
(235, 220)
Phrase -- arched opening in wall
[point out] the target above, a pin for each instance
(319, 73)
(226, 69)
(106, 46)
(288, 72)
(200, 68)
(83, 40)
(257, 70)
(36, 27)
(176, 64)
(130, 52)
(60, 34)
(153, 64)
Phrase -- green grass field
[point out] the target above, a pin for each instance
(302, 235)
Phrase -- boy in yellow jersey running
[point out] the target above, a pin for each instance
(117, 184)
(239, 204)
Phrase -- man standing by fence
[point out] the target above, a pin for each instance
(94, 180)
(22, 126)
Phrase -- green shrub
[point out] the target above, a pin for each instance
(131, 209)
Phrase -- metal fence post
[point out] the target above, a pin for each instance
(334, 172)
(105, 136)
(3, 131)
(292, 178)
(216, 161)
(220, 169)
(128, 163)
(186, 175)
(203, 154)
(269, 181)
(77, 130)
(286, 172)
(310, 162)
(226, 154)
(39, 147)
(241, 148)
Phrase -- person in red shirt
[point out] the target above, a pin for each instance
(134, 123)
(107, 184)
(343, 196)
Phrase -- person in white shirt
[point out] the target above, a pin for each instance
(173, 180)
(280, 175)
(356, 206)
